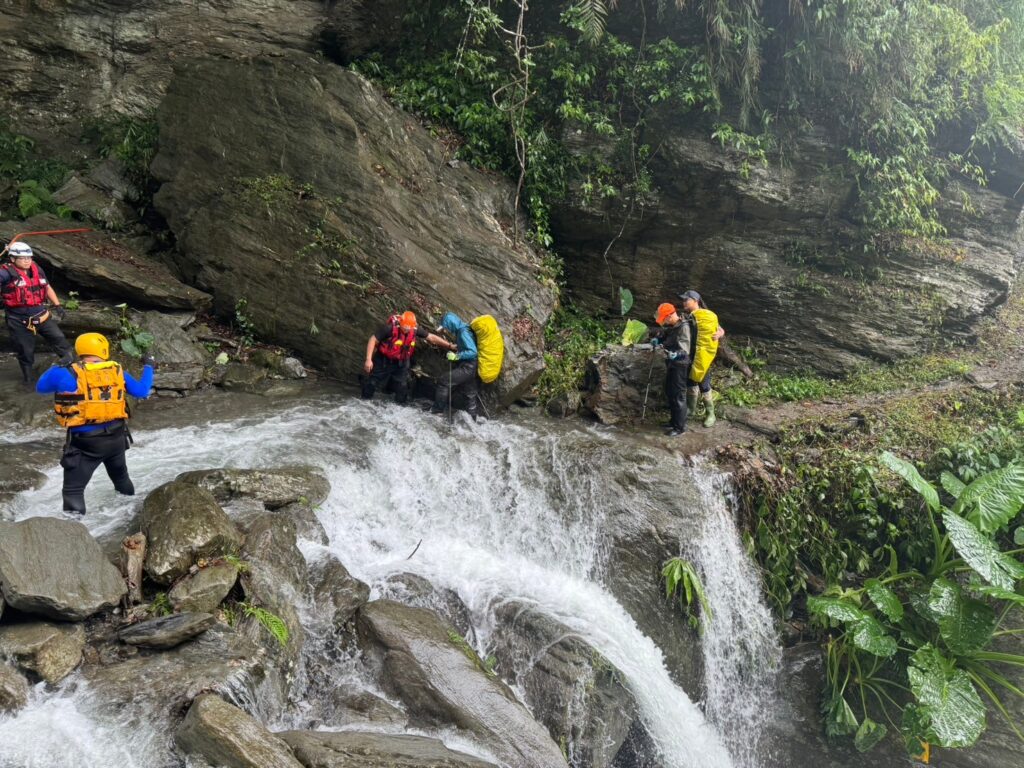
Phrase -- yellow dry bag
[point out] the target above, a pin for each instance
(706, 347)
(490, 347)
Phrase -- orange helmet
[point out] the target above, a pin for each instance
(664, 312)
(407, 321)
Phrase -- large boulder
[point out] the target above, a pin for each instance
(325, 231)
(226, 736)
(13, 689)
(414, 590)
(166, 631)
(619, 380)
(204, 590)
(442, 681)
(54, 568)
(276, 487)
(336, 590)
(352, 749)
(51, 651)
(183, 523)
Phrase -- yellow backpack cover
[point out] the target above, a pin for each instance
(490, 347)
(706, 347)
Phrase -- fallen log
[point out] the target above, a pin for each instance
(133, 553)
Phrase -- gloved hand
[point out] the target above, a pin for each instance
(60, 312)
(655, 342)
(674, 355)
(452, 357)
(148, 359)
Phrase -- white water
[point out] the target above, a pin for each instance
(502, 511)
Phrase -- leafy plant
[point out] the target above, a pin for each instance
(270, 621)
(161, 605)
(134, 341)
(683, 582)
(71, 303)
(571, 338)
(244, 324)
(634, 332)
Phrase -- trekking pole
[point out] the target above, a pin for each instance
(647, 391)
(450, 417)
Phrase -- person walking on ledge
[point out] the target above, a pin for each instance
(90, 401)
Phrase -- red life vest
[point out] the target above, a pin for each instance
(401, 344)
(25, 289)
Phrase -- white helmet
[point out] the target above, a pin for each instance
(20, 250)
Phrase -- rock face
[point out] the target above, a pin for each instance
(166, 631)
(54, 568)
(182, 523)
(13, 689)
(617, 380)
(204, 590)
(226, 736)
(334, 586)
(326, 231)
(352, 749)
(765, 249)
(442, 681)
(410, 589)
(273, 487)
(51, 651)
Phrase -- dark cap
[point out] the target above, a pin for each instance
(690, 295)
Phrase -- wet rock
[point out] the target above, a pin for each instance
(182, 379)
(226, 736)
(335, 588)
(410, 589)
(616, 383)
(183, 523)
(361, 173)
(204, 590)
(92, 316)
(242, 377)
(167, 631)
(15, 478)
(442, 681)
(351, 749)
(13, 689)
(307, 524)
(564, 404)
(51, 651)
(273, 487)
(354, 28)
(292, 368)
(54, 568)
(277, 364)
(571, 688)
(354, 706)
(172, 346)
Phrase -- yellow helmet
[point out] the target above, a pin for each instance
(92, 344)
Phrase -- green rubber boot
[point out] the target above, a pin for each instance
(691, 400)
(709, 406)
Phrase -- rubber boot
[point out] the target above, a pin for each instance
(691, 399)
(26, 373)
(709, 405)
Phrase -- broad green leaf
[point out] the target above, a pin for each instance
(993, 499)
(999, 593)
(981, 553)
(839, 717)
(869, 635)
(835, 609)
(946, 698)
(913, 478)
(128, 346)
(914, 728)
(965, 624)
(869, 734)
(634, 331)
(953, 485)
(884, 599)
(625, 301)
(1018, 536)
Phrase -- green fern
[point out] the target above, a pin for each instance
(273, 623)
(593, 15)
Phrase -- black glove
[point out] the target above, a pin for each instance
(60, 312)
(148, 359)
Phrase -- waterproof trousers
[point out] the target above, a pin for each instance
(704, 385)
(675, 391)
(386, 370)
(84, 453)
(24, 341)
(464, 380)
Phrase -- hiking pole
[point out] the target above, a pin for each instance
(647, 391)
(450, 419)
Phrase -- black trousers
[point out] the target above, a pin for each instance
(24, 341)
(675, 390)
(386, 370)
(464, 380)
(84, 453)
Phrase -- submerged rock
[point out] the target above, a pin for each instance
(352, 705)
(167, 631)
(336, 590)
(226, 736)
(13, 689)
(442, 681)
(54, 568)
(51, 651)
(275, 487)
(352, 749)
(410, 589)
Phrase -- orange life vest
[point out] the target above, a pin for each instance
(100, 396)
(401, 344)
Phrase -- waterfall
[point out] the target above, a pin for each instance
(498, 510)
(741, 648)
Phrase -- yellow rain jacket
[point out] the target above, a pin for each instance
(706, 347)
(490, 347)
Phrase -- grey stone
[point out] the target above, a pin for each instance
(274, 487)
(293, 368)
(337, 590)
(171, 344)
(352, 749)
(51, 651)
(181, 379)
(97, 204)
(616, 383)
(226, 736)
(54, 568)
(13, 689)
(204, 590)
(15, 478)
(183, 523)
(242, 377)
(307, 524)
(379, 184)
(410, 589)
(353, 706)
(166, 631)
(443, 682)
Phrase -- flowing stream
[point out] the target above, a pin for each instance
(509, 509)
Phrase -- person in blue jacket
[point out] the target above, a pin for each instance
(90, 401)
(462, 375)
